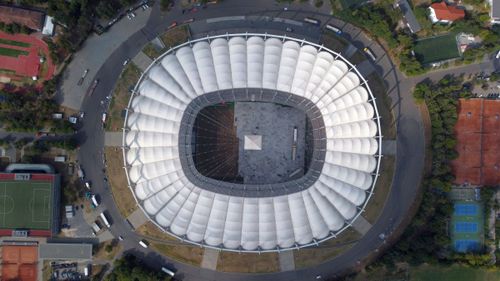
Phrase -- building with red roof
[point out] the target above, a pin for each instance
(444, 13)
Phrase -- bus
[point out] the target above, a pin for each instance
(168, 271)
(104, 219)
(370, 53)
(312, 21)
(334, 29)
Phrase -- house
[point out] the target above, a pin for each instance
(29, 18)
(444, 13)
(409, 16)
(495, 12)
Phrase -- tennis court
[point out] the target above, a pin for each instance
(437, 48)
(467, 245)
(467, 230)
(465, 209)
(466, 227)
(25, 205)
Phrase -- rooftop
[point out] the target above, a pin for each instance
(445, 12)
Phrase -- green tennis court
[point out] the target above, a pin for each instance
(25, 205)
(435, 49)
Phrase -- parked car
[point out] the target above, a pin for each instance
(143, 243)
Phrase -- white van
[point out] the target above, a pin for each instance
(105, 220)
(86, 271)
(94, 201)
(143, 244)
(168, 271)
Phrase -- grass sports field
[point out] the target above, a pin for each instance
(12, 52)
(14, 43)
(436, 49)
(25, 205)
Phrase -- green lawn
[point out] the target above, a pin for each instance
(452, 273)
(12, 52)
(436, 49)
(14, 43)
(25, 205)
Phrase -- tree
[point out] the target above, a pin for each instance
(129, 268)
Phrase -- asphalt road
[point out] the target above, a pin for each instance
(410, 141)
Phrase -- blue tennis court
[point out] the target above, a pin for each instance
(466, 227)
(466, 245)
(462, 209)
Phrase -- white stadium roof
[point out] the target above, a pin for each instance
(252, 223)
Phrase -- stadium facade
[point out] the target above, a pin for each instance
(252, 218)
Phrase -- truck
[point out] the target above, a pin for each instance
(96, 227)
(105, 219)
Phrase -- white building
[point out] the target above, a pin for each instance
(251, 223)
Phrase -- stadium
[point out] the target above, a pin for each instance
(252, 143)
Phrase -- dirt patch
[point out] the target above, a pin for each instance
(46, 271)
(119, 101)
(334, 43)
(175, 36)
(149, 229)
(326, 250)
(151, 51)
(384, 102)
(118, 181)
(382, 188)
(183, 253)
(247, 262)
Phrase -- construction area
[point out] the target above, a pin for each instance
(478, 142)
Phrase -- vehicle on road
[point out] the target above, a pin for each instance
(120, 238)
(129, 16)
(92, 88)
(104, 115)
(96, 227)
(172, 25)
(126, 62)
(94, 201)
(312, 21)
(370, 53)
(143, 243)
(498, 55)
(334, 29)
(105, 219)
(81, 114)
(168, 271)
(87, 184)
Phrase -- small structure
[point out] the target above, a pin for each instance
(48, 26)
(495, 12)
(253, 142)
(409, 16)
(444, 13)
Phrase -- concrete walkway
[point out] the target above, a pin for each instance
(137, 218)
(287, 262)
(361, 225)
(113, 138)
(210, 258)
(389, 147)
(142, 61)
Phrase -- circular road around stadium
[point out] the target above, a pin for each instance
(409, 163)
